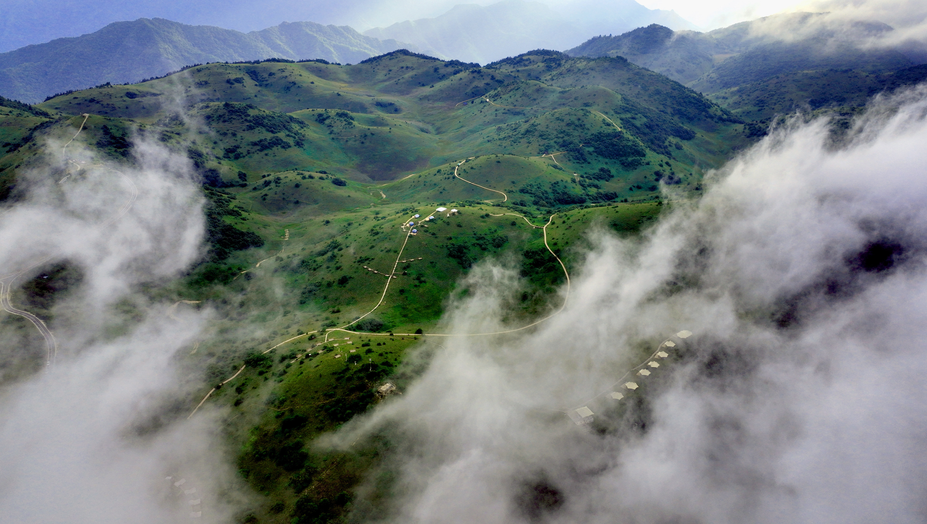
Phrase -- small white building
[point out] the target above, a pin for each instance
(386, 389)
(581, 416)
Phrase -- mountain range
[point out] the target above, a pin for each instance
(744, 66)
(312, 173)
(484, 34)
(308, 177)
(125, 52)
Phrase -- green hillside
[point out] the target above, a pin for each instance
(750, 70)
(814, 90)
(315, 176)
(399, 113)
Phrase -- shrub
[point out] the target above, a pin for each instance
(369, 324)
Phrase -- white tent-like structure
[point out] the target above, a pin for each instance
(581, 416)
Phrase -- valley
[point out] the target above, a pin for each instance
(348, 214)
(347, 205)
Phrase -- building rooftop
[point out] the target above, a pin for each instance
(584, 412)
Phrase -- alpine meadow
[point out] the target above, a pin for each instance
(663, 276)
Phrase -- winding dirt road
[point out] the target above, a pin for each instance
(51, 344)
(286, 236)
(457, 167)
(609, 120)
(65, 148)
(390, 278)
(6, 281)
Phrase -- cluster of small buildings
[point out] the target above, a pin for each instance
(411, 223)
(584, 415)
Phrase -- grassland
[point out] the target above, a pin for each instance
(313, 172)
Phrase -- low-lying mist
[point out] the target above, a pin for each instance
(907, 17)
(799, 397)
(88, 438)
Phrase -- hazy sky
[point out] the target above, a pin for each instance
(711, 14)
(26, 22)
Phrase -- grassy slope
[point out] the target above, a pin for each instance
(326, 163)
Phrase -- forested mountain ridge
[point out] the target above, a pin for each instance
(126, 52)
(742, 60)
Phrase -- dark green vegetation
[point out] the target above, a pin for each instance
(131, 51)
(399, 113)
(832, 89)
(749, 69)
(311, 174)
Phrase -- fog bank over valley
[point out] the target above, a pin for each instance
(92, 437)
(801, 273)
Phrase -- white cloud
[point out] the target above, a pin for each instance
(801, 273)
(900, 14)
(721, 13)
(93, 438)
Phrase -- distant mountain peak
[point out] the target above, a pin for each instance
(488, 33)
(743, 60)
(124, 52)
